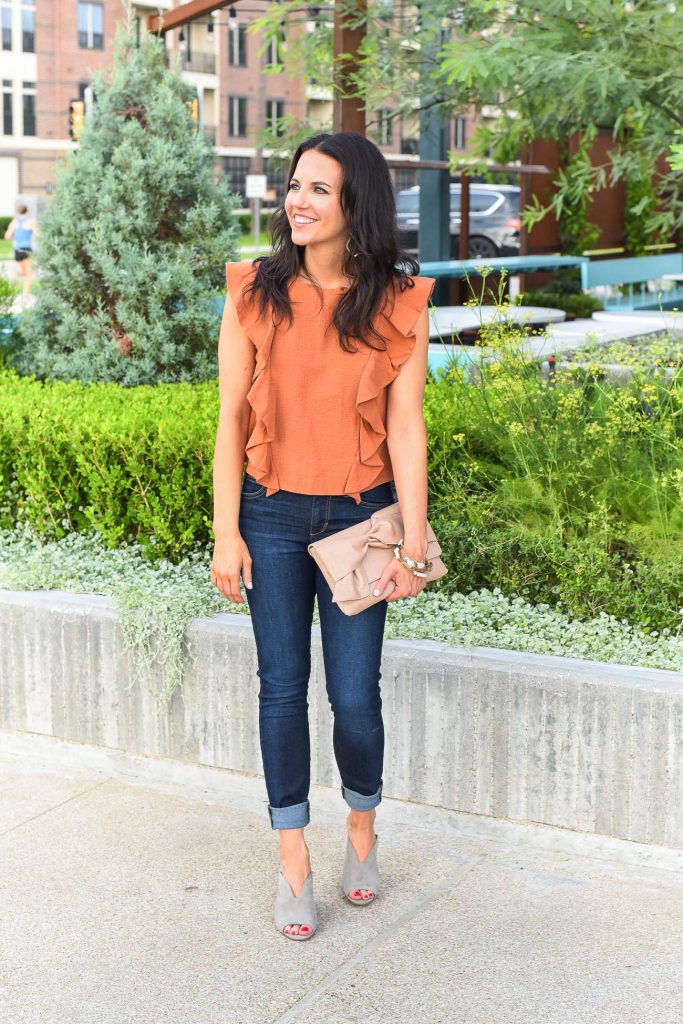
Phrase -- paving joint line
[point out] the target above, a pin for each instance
(312, 995)
(49, 810)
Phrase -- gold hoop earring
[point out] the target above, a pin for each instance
(354, 254)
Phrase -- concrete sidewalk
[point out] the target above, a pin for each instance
(141, 889)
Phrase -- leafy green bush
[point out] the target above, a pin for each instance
(131, 463)
(581, 305)
(568, 492)
(658, 348)
(8, 322)
(155, 603)
(8, 291)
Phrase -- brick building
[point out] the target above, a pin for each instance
(50, 52)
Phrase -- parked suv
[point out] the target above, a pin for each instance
(494, 219)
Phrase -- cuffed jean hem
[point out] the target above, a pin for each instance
(360, 802)
(296, 816)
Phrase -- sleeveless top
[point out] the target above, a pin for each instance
(22, 236)
(318, 413)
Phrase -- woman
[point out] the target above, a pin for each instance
(322, 367)
(23, 229)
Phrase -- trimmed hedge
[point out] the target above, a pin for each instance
(581, 305)
(133, 463)
(569, 493)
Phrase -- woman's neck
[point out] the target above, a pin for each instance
(325, 268)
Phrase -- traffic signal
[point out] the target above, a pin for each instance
(76, 119)
(193, 107)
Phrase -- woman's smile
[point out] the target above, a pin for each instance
(316, 183)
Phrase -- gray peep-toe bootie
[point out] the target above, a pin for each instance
(291, 909)
(360, 874)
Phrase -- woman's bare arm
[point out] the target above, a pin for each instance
(407, 440)
(236, 361)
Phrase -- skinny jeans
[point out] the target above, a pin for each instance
(277, 529)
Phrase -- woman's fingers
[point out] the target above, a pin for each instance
(406, 584)
(228, 583)
(246, 572)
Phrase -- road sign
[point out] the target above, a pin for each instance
(257, 186)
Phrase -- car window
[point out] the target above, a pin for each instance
(408, 202)
(480, 202)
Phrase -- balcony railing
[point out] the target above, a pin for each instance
(210, 133)
(202, 62)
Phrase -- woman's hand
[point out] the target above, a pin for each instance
(407, 583)
(230, 558)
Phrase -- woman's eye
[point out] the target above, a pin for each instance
(317, 188)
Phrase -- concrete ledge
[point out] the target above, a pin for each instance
(531, 738)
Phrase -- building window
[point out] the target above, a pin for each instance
(274, 49)
(28, 94)
(237, 116)
(237, 169)
(91, 26)
(460, 133)
(7, 124)
(28, 26)
(385, 131)
(237, 46)
(6, 27)
(275, 111)
(275, 176)
(410, 147)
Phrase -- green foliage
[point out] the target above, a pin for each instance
(552, 70)
(676, 155)
(567, 492)
(156, 601)
(134, 464)
(581, 305)
(8, 322)
(573, 184)
(659, 348)
(8, 292)
(136, 237)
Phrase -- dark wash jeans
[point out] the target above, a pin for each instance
(277, 530)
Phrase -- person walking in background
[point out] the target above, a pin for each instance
(322, 359)
(22, 230)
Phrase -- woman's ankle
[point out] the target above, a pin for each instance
(361, 819)
(292, 841)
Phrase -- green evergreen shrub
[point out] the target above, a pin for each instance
(135, 239)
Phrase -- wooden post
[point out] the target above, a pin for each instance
(458, 285)
(348, 113)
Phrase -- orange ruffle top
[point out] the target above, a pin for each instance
(317, 421)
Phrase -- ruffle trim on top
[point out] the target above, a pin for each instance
(261, 396)
(396, 322)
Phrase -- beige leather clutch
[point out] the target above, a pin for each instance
(353, 560)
